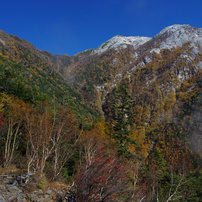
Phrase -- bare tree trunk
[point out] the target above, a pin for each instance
(135, 178)
(7, 144)
(175, 192)
(10, 141)
(13, 146)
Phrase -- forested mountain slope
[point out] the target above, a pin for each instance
(95, 72)
(98, 73)
(122, 122)
(32, 75)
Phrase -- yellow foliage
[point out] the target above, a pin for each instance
(138, 134)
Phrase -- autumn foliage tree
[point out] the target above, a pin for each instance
(13, 111)
(39, 131)
(64, 137)
(51, 133)
(91, 140)
(105, 179)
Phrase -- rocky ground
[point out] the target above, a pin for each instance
(13, 188)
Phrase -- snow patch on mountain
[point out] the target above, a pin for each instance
(1, 41)
(147, 60)
(101, 88)
(135, 55)
(200, 64)
(114, 61)
(150, 81)
(118, 42)
(173, 28)
(177, 35)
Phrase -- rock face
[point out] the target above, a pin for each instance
(118, 42)
(172, 36)
(29, 192)
(177, 35)
(11, 193)
(2, 198)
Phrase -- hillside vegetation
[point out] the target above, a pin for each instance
(120, 125)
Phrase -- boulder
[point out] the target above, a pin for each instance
(2, 198)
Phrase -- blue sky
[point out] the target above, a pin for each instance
(64, 26)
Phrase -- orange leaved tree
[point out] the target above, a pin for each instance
(13, 111)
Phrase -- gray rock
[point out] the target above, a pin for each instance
(2, 198)
(49, 192)
(40, 191)
(20, 198)
(46, 196)
(15, 183)
(13, 198)
(6, 181)
(14, 189)
(2, 188)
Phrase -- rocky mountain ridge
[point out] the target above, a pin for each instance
(119, 42)
(176, 36)
(94, 73)
(169, 37)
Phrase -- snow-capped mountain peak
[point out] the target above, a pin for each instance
(177, 35)
(118, 41)
(173, 28)
(173, 36)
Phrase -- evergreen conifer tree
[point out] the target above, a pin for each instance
(123, 120)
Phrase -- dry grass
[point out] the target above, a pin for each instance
(59, 185)
(8, 170)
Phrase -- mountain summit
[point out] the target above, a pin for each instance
(169, 37)
(102, 69)
(177, 35)
(118, 42)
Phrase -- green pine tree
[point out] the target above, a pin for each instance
(123, 120)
